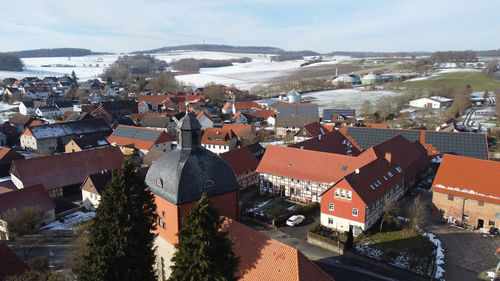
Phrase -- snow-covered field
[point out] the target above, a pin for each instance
(346, 98)
(445, 70)
(243, 75)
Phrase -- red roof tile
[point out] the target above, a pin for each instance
(246, 105)
(468, 177)
(32, 196)
(308, 164)
(313, 129)
(10, 263)
(66, 169)
(217, 136)
(138, 143)
(241, 160)
(239, 129)
(263, 258)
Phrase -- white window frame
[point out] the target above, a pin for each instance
(349, 195)
(354, 212)
(342, 193)
(331, 206)
(330, 221)
(337, 192)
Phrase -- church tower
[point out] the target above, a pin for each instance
(179, 178)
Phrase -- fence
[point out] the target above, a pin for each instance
(326, 243)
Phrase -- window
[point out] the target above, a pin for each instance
(342, 193)
(355, 212)
(480, 203)
(450, 197)
(491, 223)
(163, 213)
(349, 194)
(442, 211)
(330, 221)
(331, 206)
(336, 192)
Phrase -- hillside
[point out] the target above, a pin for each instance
(227, 49)
(57, 52)
(10, 62)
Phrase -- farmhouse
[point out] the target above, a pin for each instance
(359, 197)
(219, 140)
(431, 102)
(49, 138)
(466, 190)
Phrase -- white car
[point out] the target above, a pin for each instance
(295, 220)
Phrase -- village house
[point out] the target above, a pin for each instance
(466, 190)
(311, 130)
(239, 118)
(331, 142)
(358, 198)
(30, 197)
(243, 132)
(339, 120)
(219, 140)
(130, 139)
(47, 111)
(63, 174)
(64, 106)
(260, 117)
(85, 143)
(95, 98)
(329, 112)
(244, 163)
(26, 107)
(291, 117)
(7, 155)
(431, 102)
(92, 188)
(172, 103)
(233, 107)
(49, 138)
(205, 120)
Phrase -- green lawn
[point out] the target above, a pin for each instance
(476, 80)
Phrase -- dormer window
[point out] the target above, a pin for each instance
(209, 184)
(159, 182)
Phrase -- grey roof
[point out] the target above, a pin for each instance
(88, 126)
(295, 110)
(62, 104)
(28, 103)
(184, 174)
(136, 133)
(327, 113)
(463, 144)
(188, 122)
(47, 108)
(368, 137)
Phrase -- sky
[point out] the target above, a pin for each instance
(324, 25)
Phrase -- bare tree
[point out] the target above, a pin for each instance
(366, 108)
(416, 212)
(390, 214)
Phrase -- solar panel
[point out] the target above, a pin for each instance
(463, 144)
(147, 135)
(125, 132)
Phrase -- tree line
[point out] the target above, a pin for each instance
(10, 62)
(226, 49)
(57, 52)
(194, 65)
(454, 56)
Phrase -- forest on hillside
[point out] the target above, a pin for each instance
(57, 52)
(10, 62)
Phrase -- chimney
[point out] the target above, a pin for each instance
(388, 157)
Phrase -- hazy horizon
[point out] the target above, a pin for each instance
(321, 26)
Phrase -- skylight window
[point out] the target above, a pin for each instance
(379, 183)
(385, 178)
(371, 186)
(390, 174)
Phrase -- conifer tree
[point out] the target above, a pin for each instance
(120, 245)
(203, 252)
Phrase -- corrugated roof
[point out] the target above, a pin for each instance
(468, 177)
(263, 258)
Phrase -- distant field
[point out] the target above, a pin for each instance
(476, 80)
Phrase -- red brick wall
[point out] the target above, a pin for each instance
(471, 208)
(343, 207)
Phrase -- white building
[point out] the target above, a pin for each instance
(431, 102)
(26, 107)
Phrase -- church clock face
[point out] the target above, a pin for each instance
(159, 182)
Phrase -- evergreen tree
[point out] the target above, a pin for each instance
(73, 76)
(203, 252)
(121, 240)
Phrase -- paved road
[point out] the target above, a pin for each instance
(342, 268)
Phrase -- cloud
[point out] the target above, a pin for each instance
(127, 25)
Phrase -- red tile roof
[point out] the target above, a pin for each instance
(241, 160)
(246, 105)
(239, 129)
(7, 155)
(10, 263)
(313, 129)
(138, 143)
(31, 196)
(308, 164)
(468, 177)
(263, 258)
(66, 169)
(260, 114)
(203, 113)
(159, 99)
(217, 136)
(333, 142)
(227, 105)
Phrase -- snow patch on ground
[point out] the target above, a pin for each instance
(469, 191)
(439, 255)
(366, 250)
(70, 221)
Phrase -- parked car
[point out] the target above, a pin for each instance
(295, 220)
